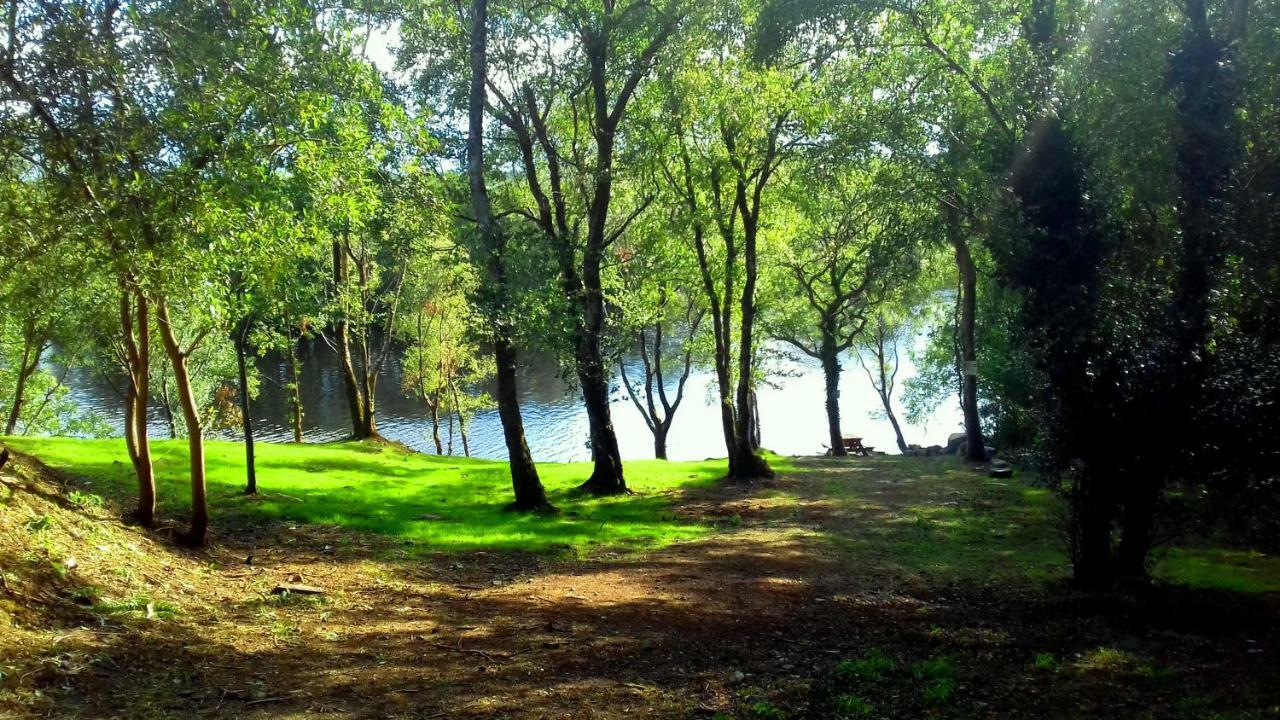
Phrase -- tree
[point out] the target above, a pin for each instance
(441, 362)
(732, 125)
(665, 320)
(848, 253)
(879, 358)
(571, 184)
(42, 298)
(156, 119)
(489, 250)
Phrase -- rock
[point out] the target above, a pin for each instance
(955, 441)
(737, 676)
(1001, 469)
(933, 450)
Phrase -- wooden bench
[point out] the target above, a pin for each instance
(854, 446)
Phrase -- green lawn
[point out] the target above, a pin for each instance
(437, 503)
(927, 518)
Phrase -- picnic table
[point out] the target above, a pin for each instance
(854, 446)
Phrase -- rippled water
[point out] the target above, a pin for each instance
(793, 420)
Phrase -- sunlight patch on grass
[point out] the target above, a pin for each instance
(438, 503)
(1219, 569)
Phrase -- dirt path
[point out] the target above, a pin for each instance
(752, 621)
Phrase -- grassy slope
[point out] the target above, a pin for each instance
(441, 503)
(956, 526)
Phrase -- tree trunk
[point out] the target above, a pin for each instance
(884, 386)
(975, 445)
(251, 474)
(135, 325)
(660, 441)
(893, 420)
(167, 406)
(524, 474)
(754, 428)
(606, 477)
(462, 421)
(435, 427)
(355, 401)
(295, 393)
(195, 434)
(831, 377)
(746, 464)
(31, 345)
(529, 493)
(1093, 563)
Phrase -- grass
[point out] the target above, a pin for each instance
(936, 520)
(438, 503)
(928, 518)
(1243, 571)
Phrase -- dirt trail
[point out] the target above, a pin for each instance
(746, 622)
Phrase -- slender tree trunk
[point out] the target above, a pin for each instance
(882, 380)
(831, 377)
(462, 420)
(435, 426)
(660, 440)
(527, 487)
(135, 325)
(167, 406)
(369, 374)
(295, 392)
(525, 483)
(975, 445)
(893, 420)
(195, 433)
(433, 404)
(251, 474)
(355, 402)
(30, 345)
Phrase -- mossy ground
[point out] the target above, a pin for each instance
(869, 587)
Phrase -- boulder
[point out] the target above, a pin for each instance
(933, 450)
(954, 442)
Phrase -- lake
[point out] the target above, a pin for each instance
(793, 418)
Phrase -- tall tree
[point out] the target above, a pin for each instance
(879, 359)
(850, 250)
(553, 116)
(529, 493)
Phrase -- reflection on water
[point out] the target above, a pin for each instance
(793, 419)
